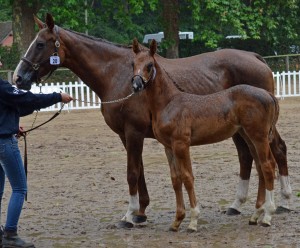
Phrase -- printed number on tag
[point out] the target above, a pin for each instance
(54, 60)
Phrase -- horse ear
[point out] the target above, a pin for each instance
(135, 46)
(49, 21)
(38, 22)
(153, 47)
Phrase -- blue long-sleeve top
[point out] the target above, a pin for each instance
(15, 103)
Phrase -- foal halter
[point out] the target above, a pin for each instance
(146, 80)
(36, 66)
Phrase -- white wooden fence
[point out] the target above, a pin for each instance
(287, 84)
(84, 97)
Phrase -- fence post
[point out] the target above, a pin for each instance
(287, 63)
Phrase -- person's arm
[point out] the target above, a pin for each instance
(26, 101)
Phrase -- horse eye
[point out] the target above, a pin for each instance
(40, 45)
(149, 66)
(132, 64)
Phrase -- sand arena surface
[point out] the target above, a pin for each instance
(78, 189)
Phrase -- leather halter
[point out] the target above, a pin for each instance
(36, 66)
(146, 80)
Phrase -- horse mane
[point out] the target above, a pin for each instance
(98, 39)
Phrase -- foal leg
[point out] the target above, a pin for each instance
(246, 160)
(266, 169)
(136, 181)
(177, 186)
(183, 161)
(279, 151)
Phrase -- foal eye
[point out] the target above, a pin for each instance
(40, 45)
(149, 66)
(132, 64)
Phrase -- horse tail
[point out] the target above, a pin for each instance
(275, 117)
(259, 57)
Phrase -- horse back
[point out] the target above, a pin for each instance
(214, 71)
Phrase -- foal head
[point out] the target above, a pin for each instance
(143, 66)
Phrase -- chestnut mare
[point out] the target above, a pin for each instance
(106, 68)
(181, 120)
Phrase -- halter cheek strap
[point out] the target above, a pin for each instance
(146, 80)
(36, 66)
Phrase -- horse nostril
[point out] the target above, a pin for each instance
(19, 80)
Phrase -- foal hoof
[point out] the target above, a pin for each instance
(281, 210)
(124, 225)
(232, 211)
(190, 230)
(139, 219)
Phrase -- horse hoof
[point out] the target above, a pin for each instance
(252, 223)
(265, 224)
(139, 219)
(125, 224)
(232, 211)
(173, 229)
(281, 210)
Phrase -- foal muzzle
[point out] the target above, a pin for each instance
(137, 83)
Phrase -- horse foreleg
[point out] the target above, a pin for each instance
(136, 181)
(246, 160)
(279, 151)
(177, 186)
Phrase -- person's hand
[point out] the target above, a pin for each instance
(21, 132)
(65, 98)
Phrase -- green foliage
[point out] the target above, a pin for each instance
(9, 57)
(5, 10)
(265, 26)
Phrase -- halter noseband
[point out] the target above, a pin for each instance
(146, 80)
(36, 66)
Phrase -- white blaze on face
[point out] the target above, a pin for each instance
(15, 75)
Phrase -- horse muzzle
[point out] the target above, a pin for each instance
(22, 84)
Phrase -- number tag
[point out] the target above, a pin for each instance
(54, 60)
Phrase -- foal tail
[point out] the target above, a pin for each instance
(275, 117)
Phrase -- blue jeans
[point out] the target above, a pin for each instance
(11, 165)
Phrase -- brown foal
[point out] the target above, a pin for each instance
(181, 120)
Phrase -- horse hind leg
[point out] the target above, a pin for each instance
(246, 160)
(279, 151)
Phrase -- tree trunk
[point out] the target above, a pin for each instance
(23, 23)
(170, 16)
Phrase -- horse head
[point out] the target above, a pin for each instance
(143, 66)
(42, 57)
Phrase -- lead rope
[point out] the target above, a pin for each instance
(24, 133)
(105, 102)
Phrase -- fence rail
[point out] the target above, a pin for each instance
(287, 84)
(85, 97)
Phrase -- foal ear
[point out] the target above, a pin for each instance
(135, 46)
(38, 22)
(153, 47)
(49, 21)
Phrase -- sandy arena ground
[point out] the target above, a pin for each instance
(78, 190)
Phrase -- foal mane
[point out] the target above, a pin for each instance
(174, 82)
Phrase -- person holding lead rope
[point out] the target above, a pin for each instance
(15, 103)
